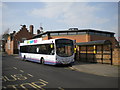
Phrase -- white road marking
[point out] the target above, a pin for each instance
(21, 71)
(30, 75)
(14, 67)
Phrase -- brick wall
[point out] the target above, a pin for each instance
(46, 38)
(83, 38)
(78, 38)
(116, 56)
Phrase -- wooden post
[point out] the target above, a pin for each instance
(111, 54)
(102, 54)
(86, 54)
(94, 55)
(94, 52)
(79, 53)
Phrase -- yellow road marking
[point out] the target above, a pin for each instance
(13, 86)
(43, 80)
(30, 75)
(3, 78)
(14, 79)
(23, 85)
(61, 88)
(20, 77)
(39, 86)
(67, 68)
(72, 68)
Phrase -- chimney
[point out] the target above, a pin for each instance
(38, 31)
(14, 32)
(31, 29)
(24, 26)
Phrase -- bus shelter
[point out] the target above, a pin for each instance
(95, 51)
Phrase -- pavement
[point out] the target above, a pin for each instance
(97, 69)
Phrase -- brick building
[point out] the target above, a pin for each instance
(89, 42)
(15, 38)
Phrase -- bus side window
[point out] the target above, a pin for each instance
(45, 49)
(37, 49)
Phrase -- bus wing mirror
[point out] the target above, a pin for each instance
(75, 50)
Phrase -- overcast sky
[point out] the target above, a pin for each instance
(60, 15)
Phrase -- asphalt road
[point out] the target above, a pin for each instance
(18, 74)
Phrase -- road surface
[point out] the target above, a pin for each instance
(18, 74)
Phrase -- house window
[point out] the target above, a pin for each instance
(111, 35)
(53, 34)
(82, 32)
(8, 44)
(103, 34)
(91, 33)
(97, 33)
(72, 33)
(63, 33)
(108, 35)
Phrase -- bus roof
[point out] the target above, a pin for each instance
(38, 41)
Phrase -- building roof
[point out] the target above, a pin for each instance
(98, 42)
(83, 30)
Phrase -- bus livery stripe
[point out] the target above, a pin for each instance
(37, 60)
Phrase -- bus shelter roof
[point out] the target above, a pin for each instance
(98, 42)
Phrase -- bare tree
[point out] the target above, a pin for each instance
(5, 34)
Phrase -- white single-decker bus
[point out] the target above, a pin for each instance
(52, 51)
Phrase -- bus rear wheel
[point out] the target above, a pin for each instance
(42, 61)
(24, 58)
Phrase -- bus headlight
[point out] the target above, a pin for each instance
(72, 60)
(57, 59)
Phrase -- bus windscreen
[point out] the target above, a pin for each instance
(64, 47)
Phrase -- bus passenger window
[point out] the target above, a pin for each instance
(37, 49)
